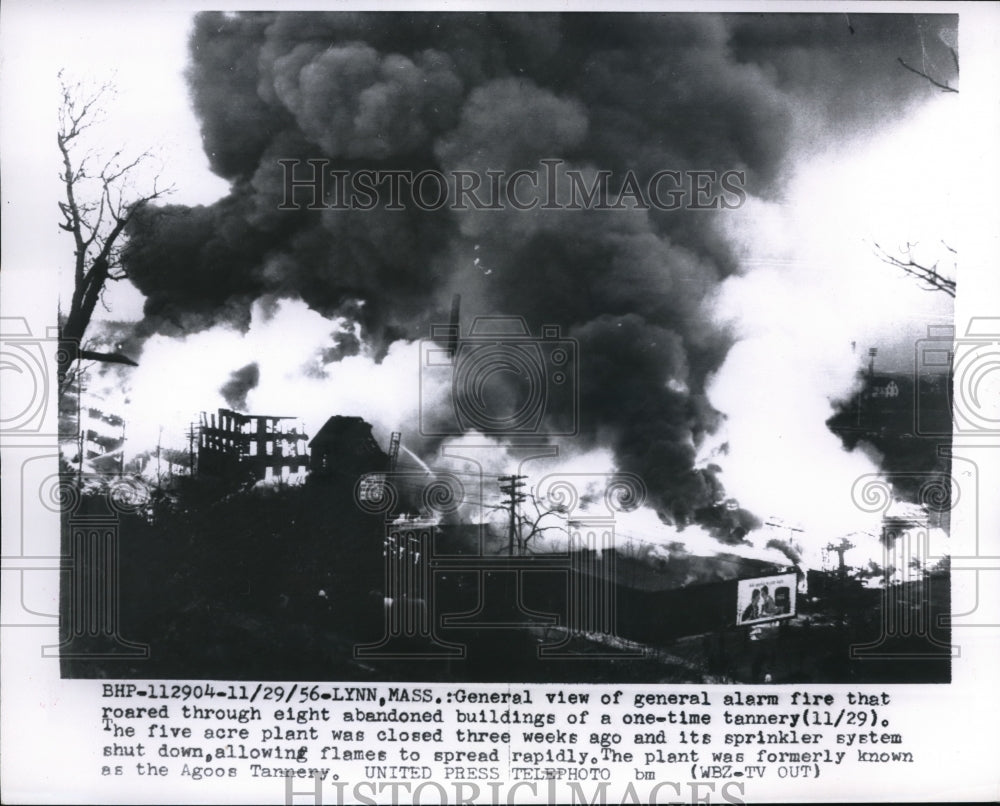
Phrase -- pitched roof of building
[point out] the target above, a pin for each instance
(341, 427)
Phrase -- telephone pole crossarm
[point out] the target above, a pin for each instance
(511, 486)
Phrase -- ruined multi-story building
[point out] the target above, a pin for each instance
(257, 447)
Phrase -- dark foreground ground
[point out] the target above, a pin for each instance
(869, 639)
(289, 584)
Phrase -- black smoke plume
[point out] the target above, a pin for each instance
(787, 548)
(241, 381)
(479, 92)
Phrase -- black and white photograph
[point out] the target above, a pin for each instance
(471, 346)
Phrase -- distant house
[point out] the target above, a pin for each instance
(345, 447)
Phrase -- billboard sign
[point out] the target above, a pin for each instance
(765, 598)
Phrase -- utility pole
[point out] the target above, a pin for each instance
(454, 326)
(191, 436)
(121, 455)
(512, 489)
(844, 546)
(159, 439)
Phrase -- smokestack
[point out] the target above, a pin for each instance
(454, 331)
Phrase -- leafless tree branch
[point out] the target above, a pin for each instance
(941, 86)
(96, 208)
(930, 277)
(530, 526)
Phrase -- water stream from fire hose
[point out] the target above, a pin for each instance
(417, 459)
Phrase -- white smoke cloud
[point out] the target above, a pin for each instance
(177, 378)
(814, 299)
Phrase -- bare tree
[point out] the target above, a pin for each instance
(99, 201)
(941, 85)
(532, 524)
(948, 37)
(929, 276)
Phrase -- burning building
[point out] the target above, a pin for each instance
(344, 446)
(250, 446)
(101, 440)
(907, 417)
